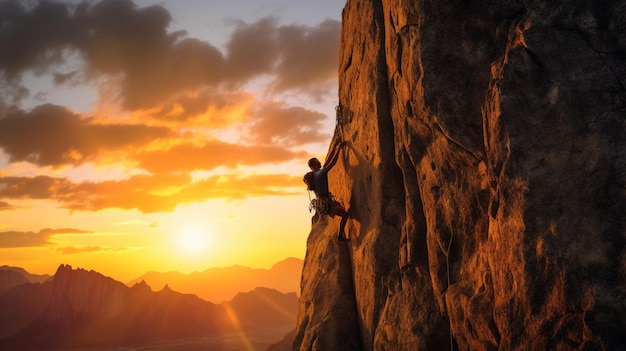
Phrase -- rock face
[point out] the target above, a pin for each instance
(485, 172)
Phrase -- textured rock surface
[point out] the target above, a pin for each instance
(486, 174)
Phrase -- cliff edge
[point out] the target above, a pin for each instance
(485, 173)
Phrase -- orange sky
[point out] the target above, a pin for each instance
(129, 143)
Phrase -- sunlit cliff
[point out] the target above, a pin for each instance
(485, 173)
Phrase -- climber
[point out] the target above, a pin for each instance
(324, 202)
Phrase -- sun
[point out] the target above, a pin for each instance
(193, 238)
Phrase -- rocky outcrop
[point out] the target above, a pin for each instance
(485, 172)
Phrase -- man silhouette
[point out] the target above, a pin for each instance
(325, 203)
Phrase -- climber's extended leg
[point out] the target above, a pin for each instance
(338, 210)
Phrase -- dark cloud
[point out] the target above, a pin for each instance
(39, 187)
(51, 135)
(23, 239)
(156, 65)
(33, 37)
(146, 193)
(5, 206)
(15, 239)
(253, 49)
(117, 39)
(277, 124)
(300, 57)
(65, 78)
(309, 56)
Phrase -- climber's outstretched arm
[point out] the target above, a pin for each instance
(333, 156)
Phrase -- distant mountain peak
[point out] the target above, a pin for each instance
(220, 284)
(141, 286)
(33, 278)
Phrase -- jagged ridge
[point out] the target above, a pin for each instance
(81, 308)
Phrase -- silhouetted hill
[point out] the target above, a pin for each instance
(221, 284)
(20, 305)
(14, 276)
(262, 306)
(10, 279)
(80, 308)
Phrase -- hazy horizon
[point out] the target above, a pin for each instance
(127, 282)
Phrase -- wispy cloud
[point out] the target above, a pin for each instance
(13, 239)
(70, 250)
(146, 193)
(5, 206)
(212, 154)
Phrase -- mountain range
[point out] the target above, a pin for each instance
(77, 308)
(14, 276)
(223, 283)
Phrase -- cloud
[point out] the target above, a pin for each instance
(121, 42)
(70, 250)
(15, 239)
(275, 123)
(39, 187)
(205, 108)
(309, 57)
(5, 206)
(256, 40)
(214, 153)
(51, 135)
(33, 37)
(115, 38)
(146, 193)
(300, 57)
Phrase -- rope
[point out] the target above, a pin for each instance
(339, 123)
(448, 276)
(310, 201)
(339, 119)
